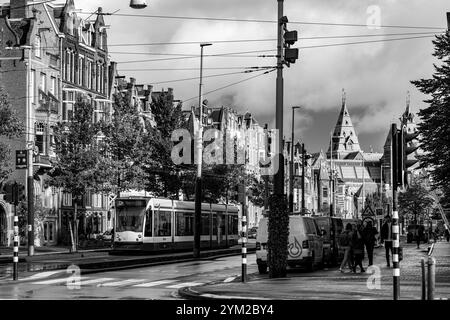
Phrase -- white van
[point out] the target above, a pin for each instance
(305, 246)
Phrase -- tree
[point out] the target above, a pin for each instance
(164, 178)
(127, 142)
(78, 165)
(434, 129)
(415, 200)
(10, 127)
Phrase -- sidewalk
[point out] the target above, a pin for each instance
(333, 285)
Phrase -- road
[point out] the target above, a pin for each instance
(158, 282)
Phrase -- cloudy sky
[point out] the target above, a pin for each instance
(376, 76)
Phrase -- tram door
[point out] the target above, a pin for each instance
(49, 232)
(3, 228)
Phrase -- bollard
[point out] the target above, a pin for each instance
(16, 246)
(431, 277)
(244, 248)
(424, 288)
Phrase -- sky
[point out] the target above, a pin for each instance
(376, 76)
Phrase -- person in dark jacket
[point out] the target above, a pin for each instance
(345, 239)
(358, 248)
(420, 234)
(386, 238)
(369, 234)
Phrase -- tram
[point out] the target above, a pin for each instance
(153, 224)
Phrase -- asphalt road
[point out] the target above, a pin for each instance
(158, 282)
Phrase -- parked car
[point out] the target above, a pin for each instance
(252, 233)
(331, 228)
(305, 244)
(413, 231)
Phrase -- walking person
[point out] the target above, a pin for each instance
(386, 238)
(358, 248)
(369, 234)
(345, 239)
(419, 236)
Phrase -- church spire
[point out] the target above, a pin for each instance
(344, 140)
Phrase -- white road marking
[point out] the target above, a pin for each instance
(153, 284)
(186, 284)
(42, 275)
(93, 281)
(53, 281)
(120, 283)
(229, 279)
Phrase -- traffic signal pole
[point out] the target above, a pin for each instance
(16, 233)
(397, 164)
(279, 175)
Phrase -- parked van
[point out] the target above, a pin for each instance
(305, 243)
(330, 228)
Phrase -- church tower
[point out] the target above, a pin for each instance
(344, 139)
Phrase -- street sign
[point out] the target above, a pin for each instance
(21, 159)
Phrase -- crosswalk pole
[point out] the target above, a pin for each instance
(16, 245)
(395, 254)
(244, 247)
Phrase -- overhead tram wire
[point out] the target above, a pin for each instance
(193, 69)
(231, 84)
(263, 21)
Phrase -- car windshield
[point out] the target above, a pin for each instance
(130, 215)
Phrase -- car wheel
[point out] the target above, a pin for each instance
(262, 268)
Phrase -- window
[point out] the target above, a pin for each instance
(67, 199)
(185, 224)
(148, 223)
(163, 224)
(33, 86)
(53, 86)
(40, 137)
(37, 47)
(205, 224)
(42, 81)
(233, 225)
(325, 193)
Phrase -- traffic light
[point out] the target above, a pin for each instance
(289, 38)
(21, 196)
(410, 146)
(397, 157)
(14, 193)
(8, 192)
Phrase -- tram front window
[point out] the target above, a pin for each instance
(130, 215)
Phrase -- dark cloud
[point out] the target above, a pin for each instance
(376, 76)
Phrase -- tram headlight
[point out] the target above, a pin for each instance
(139, 236)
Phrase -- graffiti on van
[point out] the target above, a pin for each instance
(295, 249)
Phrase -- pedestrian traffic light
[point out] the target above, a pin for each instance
(21, 196)
(8, 191)
(397, 157)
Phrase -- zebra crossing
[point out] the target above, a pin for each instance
(117, 283)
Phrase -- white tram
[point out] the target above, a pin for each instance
(152, 224)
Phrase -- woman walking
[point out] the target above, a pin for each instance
(345, 239)
(369, 235)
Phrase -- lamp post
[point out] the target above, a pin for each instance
(291, 167)
(198, 182)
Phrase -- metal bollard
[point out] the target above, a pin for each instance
(244, 248)
(431, 277)
(424, 284)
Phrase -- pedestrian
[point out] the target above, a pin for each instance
(369, 234)
(358, 248)
(386, 238)
(419, 236)
(345, 244)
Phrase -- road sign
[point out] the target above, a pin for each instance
(21, 159)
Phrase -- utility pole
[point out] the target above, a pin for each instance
(291, 167)
(395, 226)
(279, 175)
(198, 182)
(331, 176)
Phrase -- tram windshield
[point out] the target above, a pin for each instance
(130, 215)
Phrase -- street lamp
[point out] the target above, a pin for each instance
(198, 182)
(138, 4)
(291, 167)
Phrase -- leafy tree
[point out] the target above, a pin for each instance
(415, 200)
(126, 144)
(77, 168)
(10, 127)
(434, 127)
(164, 178)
